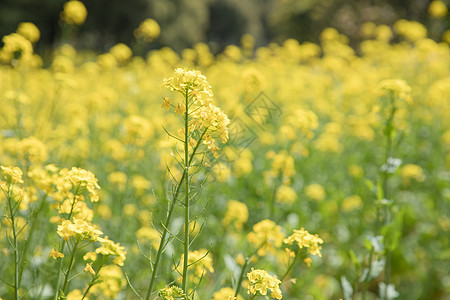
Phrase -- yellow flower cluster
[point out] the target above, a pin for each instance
(170, 292)
(121, 52)
(412, 171)
(282, 165)
(260, 282)
(437, 9)
(148, 30)
(411, 30)
(398, 87)
(226, 293)
(236, 214)
(315, 192)
(266, 237)
(306, 240)
(29, 31)
(12, 174)
(199, 262)
(285, 194)
(16, 47)
(74, 13)
(79, 229)
(108, 247)
(111, 282)
(204, 115)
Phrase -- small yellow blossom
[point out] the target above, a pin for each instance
(308, 261)
(166, 103)
(180, 109)
(55, 254)
(90, 256)
(89, 269)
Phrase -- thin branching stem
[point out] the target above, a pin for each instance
(186, 202)
(163, 243)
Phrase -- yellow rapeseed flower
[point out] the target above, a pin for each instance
(260, 282)
(236, 214)
(437, 9)
(74, 13)
(266, 237)
(170, 292)
(398, 87)
(306, 240)
(89, 268)
(412, 171)
(29, 31)
(226, 293)
(285, 194)
(55, 254)
(12, 174)
(148, 30)
(315, 192)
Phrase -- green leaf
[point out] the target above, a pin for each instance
(393, 232)
(380, 192)
(370, 185)
(354, 259)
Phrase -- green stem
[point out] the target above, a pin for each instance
(187, 166)
(389, 131)
(30, 235)
(291, 266)
(241, 276)
(167, 222)
(61, 249)
(94, 279)
(69, 268)
(12, 213)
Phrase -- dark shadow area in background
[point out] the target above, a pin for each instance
(217, 22)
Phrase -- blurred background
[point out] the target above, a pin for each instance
(216, 22)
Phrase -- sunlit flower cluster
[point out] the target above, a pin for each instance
(266, 236)
(261, 282)
(304, 239)
(202, 114)
(236, 214)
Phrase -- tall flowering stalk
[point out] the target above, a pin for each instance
(395, 93)
(14, 196)
(202, 123)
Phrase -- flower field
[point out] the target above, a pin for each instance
(292, 171)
